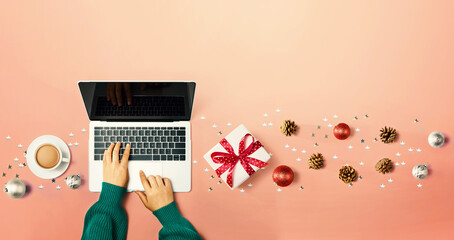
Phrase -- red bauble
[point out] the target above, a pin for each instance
(283, 176)
(341, 131)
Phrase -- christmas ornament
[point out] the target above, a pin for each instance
(283, 175)
(341, 131)
(288, 127)
(420, 171)
(388, 134)
(73, 181)
(347, 174)
(315, 161)
(15, 188)
(436, 139)
(384, 165)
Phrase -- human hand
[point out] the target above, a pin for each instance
(158, 192)
(114, 171)
(114, 93)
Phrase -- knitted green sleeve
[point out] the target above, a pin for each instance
(106, 219)
(174, 226)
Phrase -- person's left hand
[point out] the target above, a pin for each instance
(114, 171)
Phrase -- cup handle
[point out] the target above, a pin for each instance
(65, 159)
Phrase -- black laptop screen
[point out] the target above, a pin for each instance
(138, 101)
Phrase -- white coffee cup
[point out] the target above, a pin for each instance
(49, 156)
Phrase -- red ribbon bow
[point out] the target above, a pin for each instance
(230, 159)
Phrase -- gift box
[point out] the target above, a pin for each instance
(237, 156)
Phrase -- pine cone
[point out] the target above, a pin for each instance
(388, 134)
(315, 161)
(384, 165)
(288, 127)
(347, 174)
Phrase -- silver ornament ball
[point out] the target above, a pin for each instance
(436, 139)
(73, 181)
(15, 188)
(420, 171)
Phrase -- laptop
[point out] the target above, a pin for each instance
(151, 116)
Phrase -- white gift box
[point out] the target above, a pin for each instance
(239, 173)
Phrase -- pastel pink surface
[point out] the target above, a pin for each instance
(390, 60)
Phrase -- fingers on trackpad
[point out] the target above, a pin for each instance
(149, 168)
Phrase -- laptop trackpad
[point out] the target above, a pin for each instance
(149, 168)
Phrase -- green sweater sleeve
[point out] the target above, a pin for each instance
(106, 219)
(174, 226)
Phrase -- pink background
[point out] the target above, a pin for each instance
(310, 59)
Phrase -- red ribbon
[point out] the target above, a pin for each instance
(230, 159)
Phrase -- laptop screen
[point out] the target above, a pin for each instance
(138, 101)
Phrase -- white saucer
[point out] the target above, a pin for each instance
(35, 168)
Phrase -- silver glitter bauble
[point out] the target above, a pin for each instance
(15, 188)
(420, 171)
(73, 181)
(436, 139)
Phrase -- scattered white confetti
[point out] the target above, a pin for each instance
(293, 149)
(270, 154)
(229, 124)
(315, 144)
(330, 125)
(287, 146)
(279, 190)
(214, 126)
(242, 191)
(362, 140)
(402, 143)
(350, 184)
(219, 133)
(319, 127)
(270, 124)
(211, 177)
(21, 165)
(71, 135)
(410, 149)
(249, 185)
(76, 144)
(206, 170)
(194, 162)
(298, 159)
(220, 181)
(325, 119)
(397, 164)
(382, 186)
(202, 118)
(375, 139)
(335, 116)
(41, 186)
(335, 157)
(278, 110)
(70, 144)
(355, 118)
(418, 150)
(390, 180)
(416, 120)
(367, 148)
(397, 154)
(262, 168)
(16, 159)
(346, 164)
(313, 134)
(58, 187)
(360, 177)
(361, 164)
(264, 125)
(303, 151)
(419, 185)
(366, 116)
(8, 138)
(210, 189)
(357, 130)
(350, 147)
(83, 130)
(301, 188)
(326, 135)
(265, 115)
(402, 163)
(19, 146)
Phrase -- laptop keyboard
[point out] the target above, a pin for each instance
(147, 143)
(143, 106)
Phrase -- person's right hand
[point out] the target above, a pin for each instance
(158, 192)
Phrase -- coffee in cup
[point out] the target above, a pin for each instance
(48, 156)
